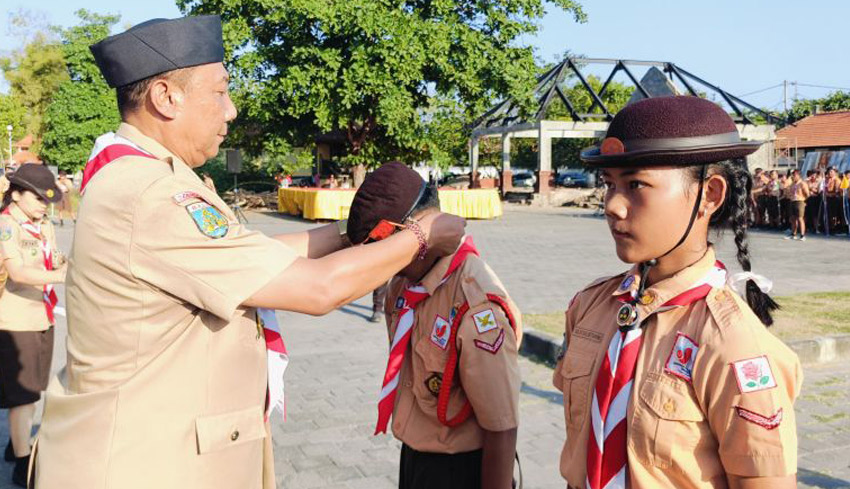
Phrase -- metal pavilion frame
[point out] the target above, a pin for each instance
(504, 120)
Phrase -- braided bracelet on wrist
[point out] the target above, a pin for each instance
(420, 236)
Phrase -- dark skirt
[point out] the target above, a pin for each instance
(422, 470)
(25, 358)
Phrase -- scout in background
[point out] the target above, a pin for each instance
(28, 254)
(452, 381)
(670, 378)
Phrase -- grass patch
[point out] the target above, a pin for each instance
(828, 418)
(801, 316)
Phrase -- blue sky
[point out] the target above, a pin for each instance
(742, 45)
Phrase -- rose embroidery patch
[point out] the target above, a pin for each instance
(754, 374)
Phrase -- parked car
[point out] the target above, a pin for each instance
(524, 179)
(573, 179)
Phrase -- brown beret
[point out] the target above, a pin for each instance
(390, 193)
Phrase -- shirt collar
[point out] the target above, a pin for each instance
(19, 215)
(152, 146)
(659, 293)
(434, 277)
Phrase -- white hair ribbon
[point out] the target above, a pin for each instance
(738, 282)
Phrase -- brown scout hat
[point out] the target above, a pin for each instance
(389, 193)
(39, 180)
(677, 131)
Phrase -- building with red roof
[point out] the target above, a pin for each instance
(817, 141)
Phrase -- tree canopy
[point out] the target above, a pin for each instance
(83, 106)
(33, 72)
(380, 71)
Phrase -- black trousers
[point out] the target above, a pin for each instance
(422, 470)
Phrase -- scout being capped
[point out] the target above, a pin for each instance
(451, 385)
(167, 383)
(670, 378)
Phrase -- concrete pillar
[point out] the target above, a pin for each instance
(507, 175)
(473, 162)
(544, 160)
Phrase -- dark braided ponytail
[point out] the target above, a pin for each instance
(733, 215)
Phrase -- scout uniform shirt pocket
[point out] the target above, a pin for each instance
(668, 418)
(428, 366)
(575, 372)
(222, 431)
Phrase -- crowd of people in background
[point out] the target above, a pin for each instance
(788, 200)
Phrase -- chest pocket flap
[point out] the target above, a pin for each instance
(670, 401)
(577, 364)
(230, 429)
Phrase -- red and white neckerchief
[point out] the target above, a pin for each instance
(48, 293)
(277, 357)
(607, 466)
(108, 148)
(413, 296)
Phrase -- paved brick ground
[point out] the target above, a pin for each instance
(543, 257)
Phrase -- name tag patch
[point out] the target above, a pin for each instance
(183, 197)
(754, 374)
(485, 321)
(441, 332)
(208, 219)
(680, 363)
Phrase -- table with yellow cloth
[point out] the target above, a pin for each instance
(334, 204)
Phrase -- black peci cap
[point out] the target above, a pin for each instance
(157, 46)
(390, 193)
(38, 179)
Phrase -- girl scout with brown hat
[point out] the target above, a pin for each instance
(670, 378)
(27, 307)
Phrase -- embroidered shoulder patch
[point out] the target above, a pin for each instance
(765, 422)
(680, 363)
(485, 321)
(182, 197)
(754, 374)
(5, 233)
(208, 219)
(493, 347)
(441, 332)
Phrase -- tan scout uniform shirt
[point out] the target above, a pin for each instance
(166, 377)
(22, 306)
(490, 381)
(684, 434)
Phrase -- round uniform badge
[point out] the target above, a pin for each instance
(647, 298)
(49, 193)
(627, 315)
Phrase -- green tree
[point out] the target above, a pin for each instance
(33, 73)
(83, 106)
(371, 68)
(12, 111)
(835, 101)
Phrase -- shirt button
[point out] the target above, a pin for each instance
(408, 383)
(234, 436)
(669, 406)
